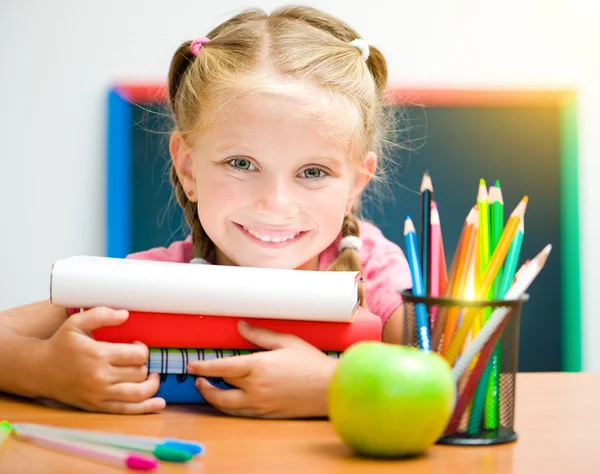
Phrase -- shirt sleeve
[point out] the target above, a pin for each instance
(385, 271)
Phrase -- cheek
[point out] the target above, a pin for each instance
(330, 199)
(220, 193)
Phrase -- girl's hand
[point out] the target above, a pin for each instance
(288, 381)
(97, 376)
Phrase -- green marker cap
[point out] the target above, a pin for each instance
(164, 453)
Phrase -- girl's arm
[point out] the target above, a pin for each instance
(21, 331)
(40, 320)
(394, 326)
(45, 353)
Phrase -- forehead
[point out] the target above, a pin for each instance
(285, 110)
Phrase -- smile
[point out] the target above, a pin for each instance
(272, 237)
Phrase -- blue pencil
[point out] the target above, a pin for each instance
(418, 289)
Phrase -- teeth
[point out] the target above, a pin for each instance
(275, 238)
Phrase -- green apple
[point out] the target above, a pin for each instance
(388, 400)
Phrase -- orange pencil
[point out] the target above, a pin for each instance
(488, 279)
(455, 260)
(466, 255)
(440, 322)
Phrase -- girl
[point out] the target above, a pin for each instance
(278, 125)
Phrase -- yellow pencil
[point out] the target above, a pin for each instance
(488, 279)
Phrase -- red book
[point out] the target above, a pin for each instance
(220, 332)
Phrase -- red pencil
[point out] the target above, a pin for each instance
(436, 250)
(474, 377)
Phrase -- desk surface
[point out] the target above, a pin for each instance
(557, 421)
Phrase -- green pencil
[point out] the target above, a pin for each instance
(512, 259)
(492, 402)
(496, 226)
(487, 393)
(483, 204)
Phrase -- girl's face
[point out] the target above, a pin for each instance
(272, 189)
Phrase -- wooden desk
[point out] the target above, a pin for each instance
(558, 416)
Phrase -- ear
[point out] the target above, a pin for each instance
(181, 155)
(363, 177)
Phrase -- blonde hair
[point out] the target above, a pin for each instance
(294, 43)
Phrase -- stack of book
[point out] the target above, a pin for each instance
(185, 312)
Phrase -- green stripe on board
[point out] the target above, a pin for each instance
(571, 351)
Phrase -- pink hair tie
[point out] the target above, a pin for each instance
(197, 45)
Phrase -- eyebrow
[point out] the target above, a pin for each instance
(327, 158)
(233, 146)
(243, 148)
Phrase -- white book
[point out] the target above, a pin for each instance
(219, 290)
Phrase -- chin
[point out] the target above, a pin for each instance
(274, 264)
(283, 263)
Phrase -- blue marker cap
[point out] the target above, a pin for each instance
(190, 447)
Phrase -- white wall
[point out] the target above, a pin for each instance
(58, 59)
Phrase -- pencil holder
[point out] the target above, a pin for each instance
(484, 412)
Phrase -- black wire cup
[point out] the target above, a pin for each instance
(485, 405)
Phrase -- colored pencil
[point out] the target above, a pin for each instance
(483, 204)
(487, 340)
(512, 259)
(523, 267)
(455, 260)
(466, 395)
(422, 322)
(479, 400)
(490, 382)
(517, 289)
(94, 452)
(443, 267)
(426, 197)
(496, 226)
(488, 278)
(440, 322)
(436, 250)
(467, 255)
(501, 249)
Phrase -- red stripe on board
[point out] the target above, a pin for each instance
(140, 93)
(143, 93)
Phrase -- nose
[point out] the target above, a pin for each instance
(275, 197)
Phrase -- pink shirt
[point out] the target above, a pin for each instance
(384, 266)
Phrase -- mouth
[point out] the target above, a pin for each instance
(272, 238)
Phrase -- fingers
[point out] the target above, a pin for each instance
(266, 338)
(129, 374)
(233, 400)
(135, 354)
(152, 405)
(96, 318)
(135, 392)
(228, 367)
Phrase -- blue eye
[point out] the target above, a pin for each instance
(313, 173)
(242, 164)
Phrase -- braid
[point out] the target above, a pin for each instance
(348, 259)
(203, 247)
